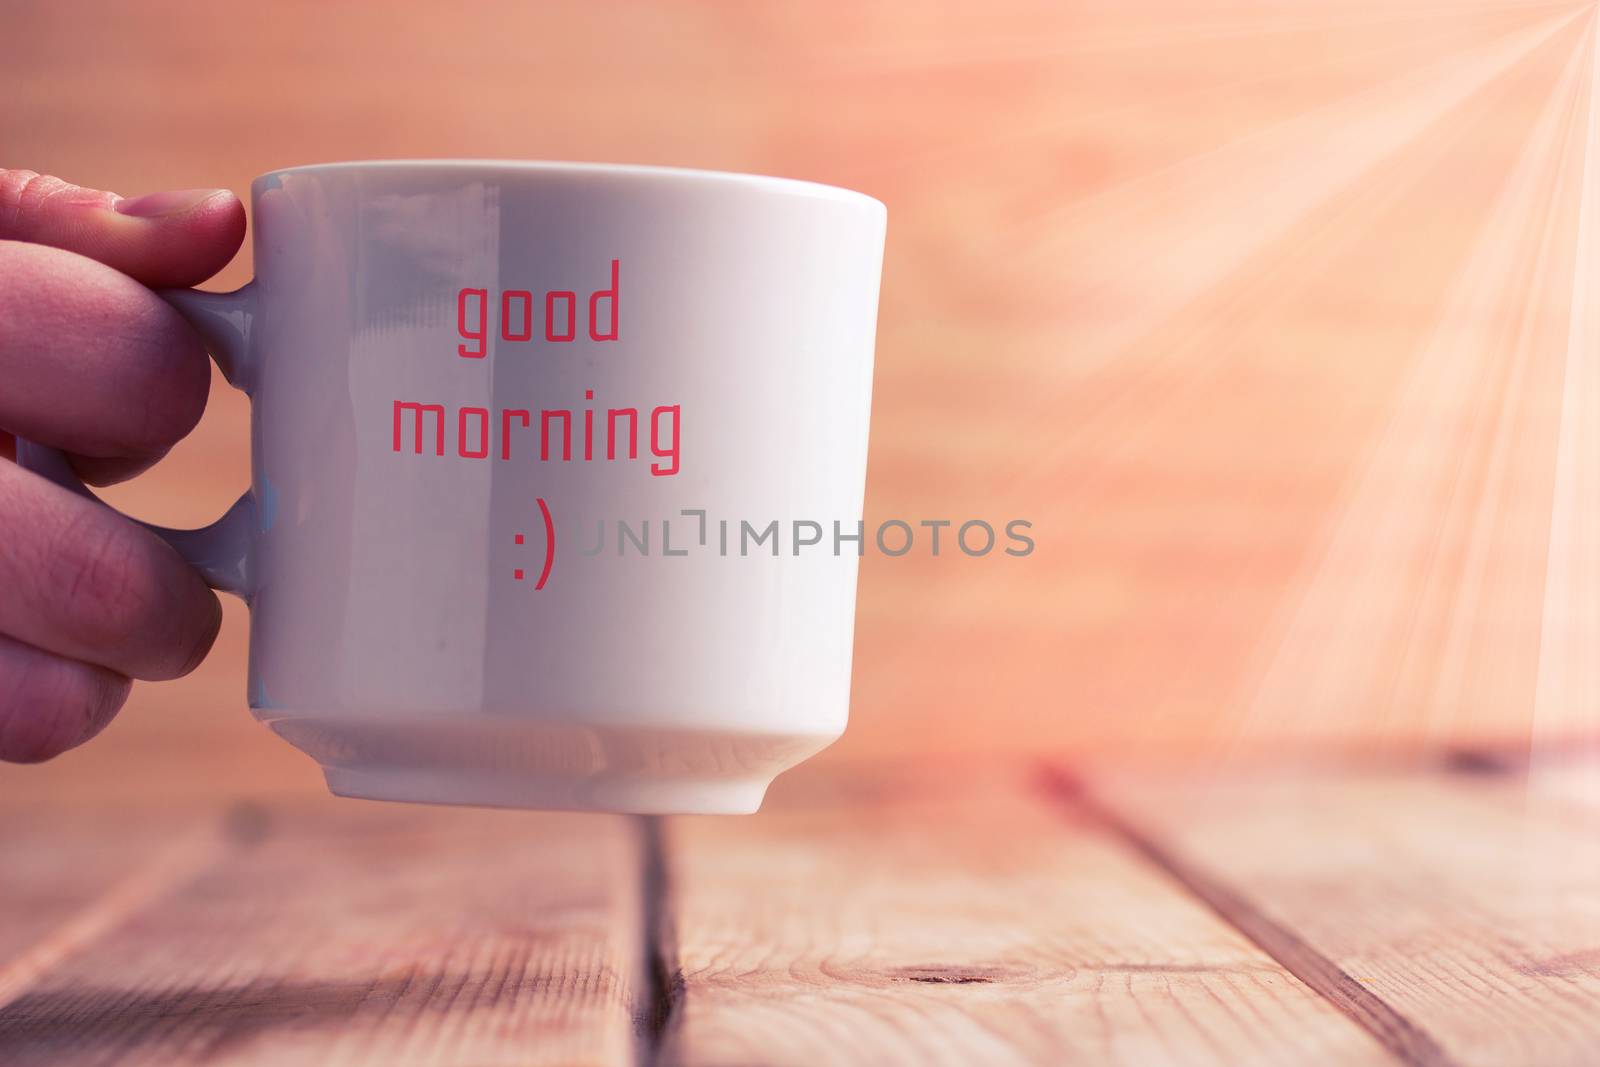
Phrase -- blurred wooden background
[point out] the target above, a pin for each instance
(1274, 319)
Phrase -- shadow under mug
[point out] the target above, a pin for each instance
(557, 476)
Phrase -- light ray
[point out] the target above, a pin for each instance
(1568, 684)
(1358, 628)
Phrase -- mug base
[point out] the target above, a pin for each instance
(541, 791)
(527, 762)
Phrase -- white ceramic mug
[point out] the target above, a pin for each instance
(412, 337)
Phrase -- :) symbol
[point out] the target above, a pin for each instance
(549, 547)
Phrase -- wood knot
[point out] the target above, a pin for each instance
(941, 975)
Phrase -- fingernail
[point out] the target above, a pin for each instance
(165, 204)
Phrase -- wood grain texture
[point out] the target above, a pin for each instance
(327, 933)
(1453, 915)
(961, 921)
(67, 876)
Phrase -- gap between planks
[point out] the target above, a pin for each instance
(661, 976)
(1402, 1037)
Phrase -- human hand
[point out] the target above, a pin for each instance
(94, 363)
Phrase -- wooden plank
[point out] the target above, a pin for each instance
(67, 874)
(335, 932)
(952, 921)
(1449, 913)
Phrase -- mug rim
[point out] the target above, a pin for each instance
(768, 182)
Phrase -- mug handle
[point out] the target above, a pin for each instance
(221, 552)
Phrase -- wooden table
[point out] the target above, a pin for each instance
(1004, 913)
(1210, 292)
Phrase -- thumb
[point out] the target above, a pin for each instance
(163, 239)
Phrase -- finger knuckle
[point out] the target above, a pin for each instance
(14, 186)
(22, 192)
